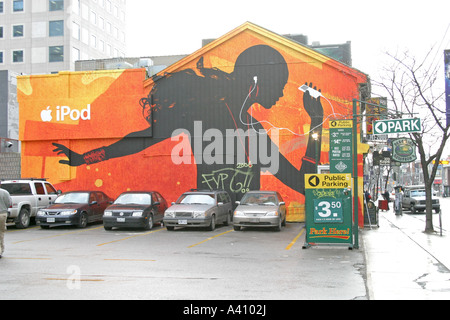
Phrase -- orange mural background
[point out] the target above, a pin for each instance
(114, 97)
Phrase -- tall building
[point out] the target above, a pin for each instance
(47, 36)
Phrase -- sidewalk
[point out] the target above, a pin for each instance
(404, 263)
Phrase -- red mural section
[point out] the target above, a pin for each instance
(112, 130)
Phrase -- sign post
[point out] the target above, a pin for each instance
(329, 218)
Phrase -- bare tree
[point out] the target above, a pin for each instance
(412, 90)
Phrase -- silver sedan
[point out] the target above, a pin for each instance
(260, 209)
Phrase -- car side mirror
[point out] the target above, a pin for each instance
(237, 202)
(282, 203)
(157, 203)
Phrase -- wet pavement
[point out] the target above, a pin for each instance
(403, 262)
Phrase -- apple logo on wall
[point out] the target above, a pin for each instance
(46, 115)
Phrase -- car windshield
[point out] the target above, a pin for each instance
(134, 198)
(196, 199)
(74, 197)
(418, 193)
(259, 199)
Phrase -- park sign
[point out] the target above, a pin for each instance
(397, 126)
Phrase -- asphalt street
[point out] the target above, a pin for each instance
(185, 264)
(395, 261)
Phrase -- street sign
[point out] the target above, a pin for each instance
(328, 209)
(341, 147)
(397, 126)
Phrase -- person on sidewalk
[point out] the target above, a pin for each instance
(5, 203)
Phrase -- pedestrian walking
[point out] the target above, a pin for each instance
(5, 203)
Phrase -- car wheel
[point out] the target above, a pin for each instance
(107, 228)
(237, 228)
(149, 224)
(170, 228)
(23, 220)
(83, 220)
(212, 226)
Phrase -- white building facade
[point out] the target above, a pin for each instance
(48, 36)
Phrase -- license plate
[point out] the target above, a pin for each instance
(51, 220)
(254, 220)
(182, 221)
(120, 219)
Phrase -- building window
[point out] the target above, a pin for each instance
(1, 57)
(56, 5)
(56, 54)
(76, 32)
(56, 28)
(17, 56)
(18, 31)
(1, 32)
(2, 7)
(18, 6)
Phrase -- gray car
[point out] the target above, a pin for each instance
(199, 209)
(260, 209)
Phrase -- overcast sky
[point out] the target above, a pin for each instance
(173, 27)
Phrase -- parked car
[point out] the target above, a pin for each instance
(28, 196)
(198, 208)
(74, 208)
(135, 209)
(414, 200)
(260, 209)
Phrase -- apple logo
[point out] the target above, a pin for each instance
(46, 115)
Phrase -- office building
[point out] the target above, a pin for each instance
(47, 36)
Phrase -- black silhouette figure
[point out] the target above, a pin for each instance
(221, 101)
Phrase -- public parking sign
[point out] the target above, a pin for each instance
(397, 126)
(329, 217)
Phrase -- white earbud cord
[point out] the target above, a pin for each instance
(334, 114)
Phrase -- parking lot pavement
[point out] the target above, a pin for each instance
(185, 264)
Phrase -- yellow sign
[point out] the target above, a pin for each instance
(341, 124)
(328, 181)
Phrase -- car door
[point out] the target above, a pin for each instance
(51, 192)
(95, 210)
(157, 208)
(42, 199)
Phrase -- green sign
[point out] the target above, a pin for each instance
(403, 150)
(397, 126)
(328, 202)
(341, 146)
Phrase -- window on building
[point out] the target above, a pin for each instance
(2, 7)
(76, 31)
(1, 32)
(56, 5)
(1, 57)
(56, 28)
(18, 6)
(56, 54)
(18, 31)
(18, 56)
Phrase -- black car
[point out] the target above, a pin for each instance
(74, 208)
(137, 209)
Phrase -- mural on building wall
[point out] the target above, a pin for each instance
(238, 116)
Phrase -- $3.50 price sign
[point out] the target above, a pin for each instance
(328, 211)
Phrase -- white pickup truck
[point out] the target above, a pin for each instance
(28, 196)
